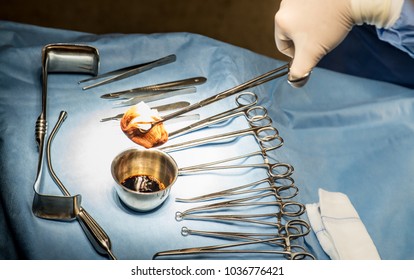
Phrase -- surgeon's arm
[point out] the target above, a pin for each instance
(401, 34)
(306, 30)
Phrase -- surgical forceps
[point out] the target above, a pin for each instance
(261, 133)
(290, 251)
(293, 229)
(245, 106)
(165, 107)
(128, 71)
(156, 92)
(273, 169)
(278, 189)
(156, 95)
(157, 88)
(273, 74)
(286, 209)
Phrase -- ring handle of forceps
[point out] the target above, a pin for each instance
(273, 146)
(280, 189)
(241, 104)
(255, 115)
(301, 209)
(297, 225)
(271, 170)
(252, 115)
(284, 232)
(249, 109)
(233, 134)
(260, 133)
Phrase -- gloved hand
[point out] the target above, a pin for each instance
(306, 30)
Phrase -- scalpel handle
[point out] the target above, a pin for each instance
(180, 83)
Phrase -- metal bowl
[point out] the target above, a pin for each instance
(151, 162)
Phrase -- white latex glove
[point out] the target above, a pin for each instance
(306, 30)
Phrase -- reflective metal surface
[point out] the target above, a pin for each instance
(128, 71)
(266, 77)
(57, 58)
(151, 162)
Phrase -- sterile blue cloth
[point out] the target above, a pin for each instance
(341, 133)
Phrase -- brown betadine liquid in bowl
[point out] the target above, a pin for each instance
(143, 183)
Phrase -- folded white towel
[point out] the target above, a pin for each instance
(339, 229)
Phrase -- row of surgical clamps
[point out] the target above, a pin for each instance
(261, 217)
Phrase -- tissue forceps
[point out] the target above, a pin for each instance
(166, 107)
(244, 106)
(157, 88)
(156, 95)
(277, 189)
(290, 251)
(128, 71)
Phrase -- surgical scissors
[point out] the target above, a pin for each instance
(245, 106)
(278, 189)
(290, 251)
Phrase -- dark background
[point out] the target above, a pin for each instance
(245, 23)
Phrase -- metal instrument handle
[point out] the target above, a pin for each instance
(273, 74)
(129, 71)
(160, 108)
(156, 95)
(228, 191)
(205, 140)
(96, 235)
(218, 118)
(217, 249)
(154, 88)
